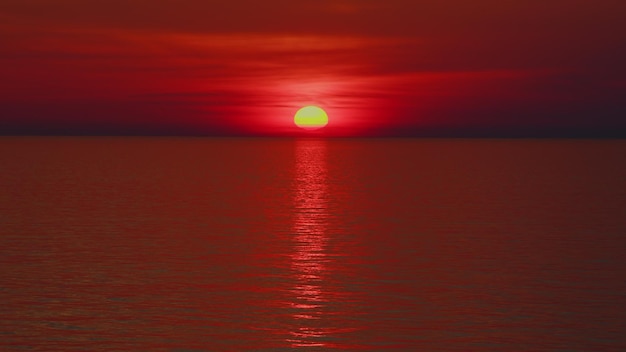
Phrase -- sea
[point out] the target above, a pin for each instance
(270, 244)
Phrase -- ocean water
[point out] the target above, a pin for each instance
(200, 244)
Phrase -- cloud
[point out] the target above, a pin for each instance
(399, 63)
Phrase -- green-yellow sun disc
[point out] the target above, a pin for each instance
(311, 117)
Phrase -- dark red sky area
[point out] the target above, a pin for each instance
(378, 67)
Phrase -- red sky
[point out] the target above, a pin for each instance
(378, 67)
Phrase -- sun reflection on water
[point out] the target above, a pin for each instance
(309, 260)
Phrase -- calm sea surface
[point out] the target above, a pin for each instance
(174, 244)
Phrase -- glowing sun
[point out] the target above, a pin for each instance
(311, 117)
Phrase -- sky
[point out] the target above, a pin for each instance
(518, 68)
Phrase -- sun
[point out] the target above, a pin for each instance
(311, 117)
